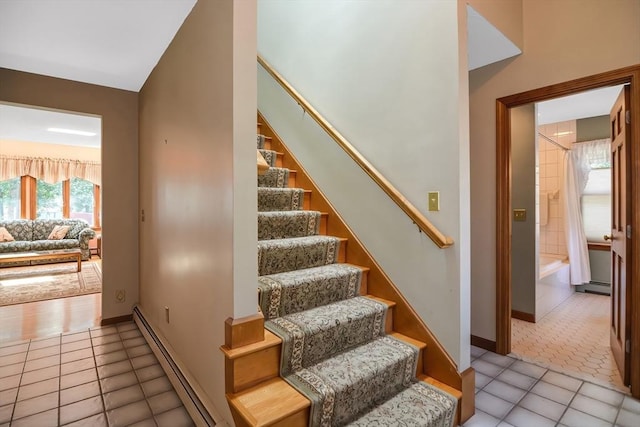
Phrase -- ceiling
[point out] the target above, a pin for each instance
(105, 42)
(593, 103)
(486, 44)
(19, 123)
(118, 43)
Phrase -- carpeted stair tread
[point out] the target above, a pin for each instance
(262, 141)
(269, 156)
(421, 404)
(313, 335)
(274, 177)
(280, 199)
(294, 291)
(347, 385)
(285, 224)
(280, 255)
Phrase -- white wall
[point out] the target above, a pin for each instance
(563, 40)
(389, 76)
(198, 242)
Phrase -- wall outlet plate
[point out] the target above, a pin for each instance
(121, 295)
(519, 214)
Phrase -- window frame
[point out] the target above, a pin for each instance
(591, 244)
(28, 200)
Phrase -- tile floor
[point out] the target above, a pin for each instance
(104, 376)
(573, 338)
(512, 392)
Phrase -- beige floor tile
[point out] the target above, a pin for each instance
(56, 381)
(573, 338)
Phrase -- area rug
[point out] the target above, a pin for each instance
(43, 282)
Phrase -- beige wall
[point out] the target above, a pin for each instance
(119, 112)
(523, 196)
(563, 40)
(40, 149)
(198, 243)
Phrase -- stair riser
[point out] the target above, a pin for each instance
(315, 335)
(272, 261)
(281, 200)
(253, 368)
(279, 294)
(288, 224)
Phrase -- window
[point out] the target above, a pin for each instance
(10, 199)
(596, 205)
(27, 197)
(81, 199)
(48, 200)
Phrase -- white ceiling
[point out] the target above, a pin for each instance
(112, 43)
(485, 43)
(593, 103)
(18, 123)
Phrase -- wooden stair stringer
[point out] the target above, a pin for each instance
(437, 363)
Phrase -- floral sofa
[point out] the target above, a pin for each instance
(32, 235)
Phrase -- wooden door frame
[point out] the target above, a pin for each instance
(628, 75)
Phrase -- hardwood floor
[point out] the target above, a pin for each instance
(45, 318)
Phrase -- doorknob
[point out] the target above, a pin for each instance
(607, 237)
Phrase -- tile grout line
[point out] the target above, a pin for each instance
(24, 365)
(59, 379)
(95, 366)
(135, 372)
(538, 380)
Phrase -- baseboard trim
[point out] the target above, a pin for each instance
(483, 343)
(118, 319)
(521, 315)
(198, 410)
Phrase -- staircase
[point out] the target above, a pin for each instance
(334, 351)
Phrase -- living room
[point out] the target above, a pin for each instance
(50, 216)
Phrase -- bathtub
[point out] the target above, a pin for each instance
(550, 263)
(553, 286)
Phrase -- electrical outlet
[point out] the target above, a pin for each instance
(121, 295)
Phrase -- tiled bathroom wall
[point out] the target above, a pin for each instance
(550, 172)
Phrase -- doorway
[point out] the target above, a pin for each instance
(631, 76)
(50, 179)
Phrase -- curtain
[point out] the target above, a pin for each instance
(577, 248)
(578, 163)
(49, 170)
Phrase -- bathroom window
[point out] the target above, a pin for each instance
(596, 204)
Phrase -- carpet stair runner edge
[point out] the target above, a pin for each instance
(336, 346)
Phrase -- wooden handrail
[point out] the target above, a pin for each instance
(423, 223)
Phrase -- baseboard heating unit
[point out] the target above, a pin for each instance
(192, 403)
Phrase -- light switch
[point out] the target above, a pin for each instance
(434, 200)
(519, 214)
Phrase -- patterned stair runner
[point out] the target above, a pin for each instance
(335, 350)
(283, 224)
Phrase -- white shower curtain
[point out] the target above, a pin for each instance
(574, 181)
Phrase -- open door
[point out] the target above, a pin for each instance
(620, 234)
